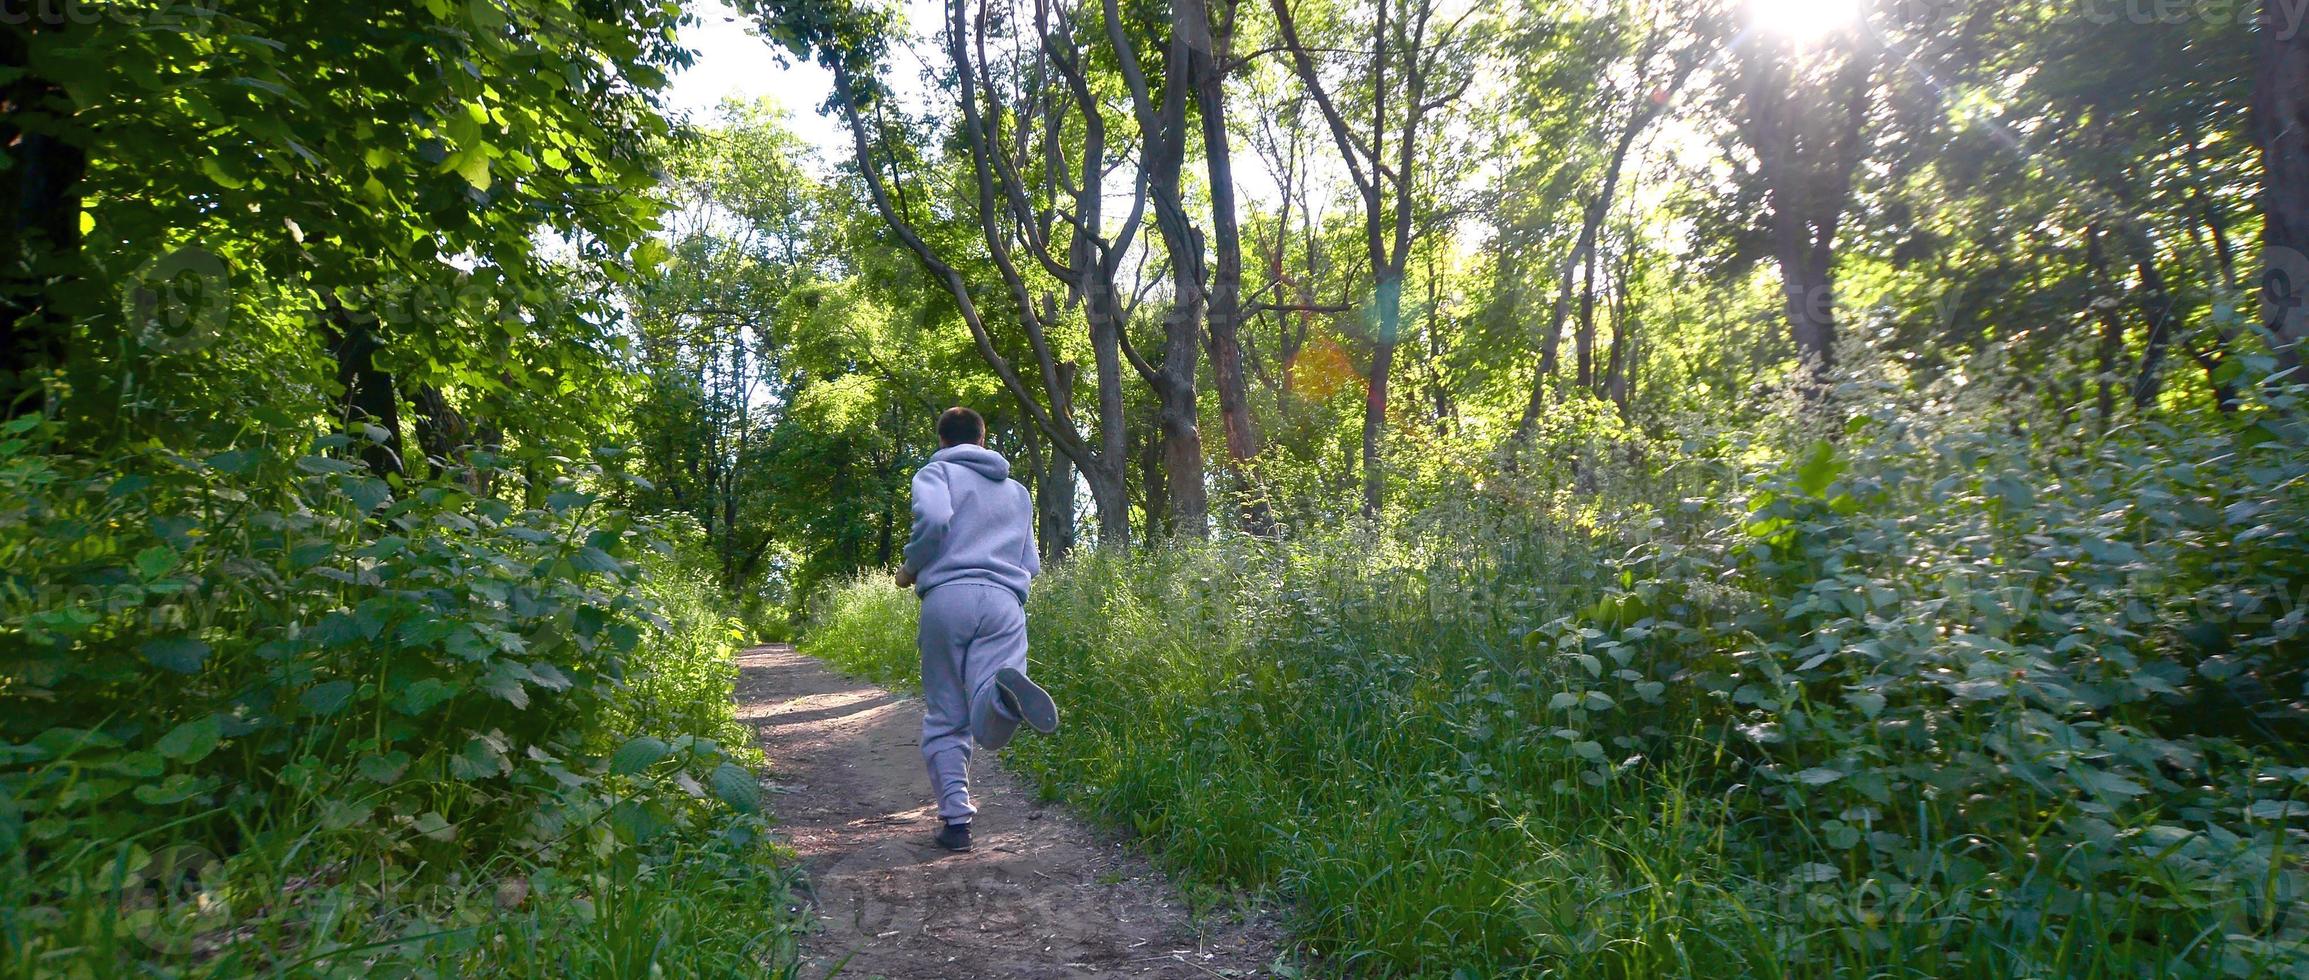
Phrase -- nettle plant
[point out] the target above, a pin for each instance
(1979, 682)
(259, 642)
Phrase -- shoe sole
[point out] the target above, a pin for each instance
(1033, 703)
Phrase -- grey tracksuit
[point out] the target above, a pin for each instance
(972, 554)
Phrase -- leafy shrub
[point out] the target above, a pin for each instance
(2049, 695)
(1929, 699)
(337, 693)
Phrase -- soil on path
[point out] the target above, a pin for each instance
(1042, 896)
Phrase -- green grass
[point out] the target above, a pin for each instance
(704, 907)
(1333, 740)
(1392, 735)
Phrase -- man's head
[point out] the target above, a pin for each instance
(960, 426)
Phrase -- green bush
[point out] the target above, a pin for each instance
(2038, 708)
(265, 710)
(1930, 699)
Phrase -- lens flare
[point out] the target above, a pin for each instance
(1804, 20)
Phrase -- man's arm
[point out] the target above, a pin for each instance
(933, 512)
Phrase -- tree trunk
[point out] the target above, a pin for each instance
(1586, 337)
(1623, 325)
(1053, 478)
(1808, 139)
(441, 431)
(1154, 493)
(1551, 342)
(1390, 316)
(1110, 496)
(1438, 390)
(2111, 343)
(885, 535)
(1182, 453)
(1808, 295)
(2281, 126)
(369, 395)
(1162, 128)
(1110, 499)
(40, 188)
(1054, 507)
(1209, 41)
(2157, 305)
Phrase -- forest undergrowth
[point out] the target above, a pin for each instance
(1929, 698)
(270, 714)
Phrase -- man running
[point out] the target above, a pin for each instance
(970, 558)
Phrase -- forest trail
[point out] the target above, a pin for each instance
(1042, 896)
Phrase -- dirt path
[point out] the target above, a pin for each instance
(1042, 896)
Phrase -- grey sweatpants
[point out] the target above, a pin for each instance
(969, 630)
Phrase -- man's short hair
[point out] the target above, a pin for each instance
(960, 425)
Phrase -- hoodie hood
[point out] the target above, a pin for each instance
(978, 459)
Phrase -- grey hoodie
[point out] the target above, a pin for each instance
(971, 523)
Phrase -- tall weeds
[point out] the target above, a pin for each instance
(1930, 699)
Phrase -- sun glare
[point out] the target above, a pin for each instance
(1803, 19)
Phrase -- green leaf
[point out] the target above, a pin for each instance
(473, 165)
(504, 682)
(2277, 809)
(1870, 703)
(193, 740)
(595, 560)
(327, 699)
(483, 757)
(650, 254)
(639, 753)
(155, 561)
(324, 464)
(1819, 469)
(422, 696)
(736, 787)
(485, 15)
(2102, 781)
(465, 643)
(137, 765)
(639, 821)
(1840, 835)
(1815, 873)
(180, 654)
(216, 172)
(177, 788)
(434, 827)
(1819, 776)
(312, 553)
(383, 768)
(367, 492)
(233, 462)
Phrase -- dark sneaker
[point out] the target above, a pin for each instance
(1027, 700)
(954, 837)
